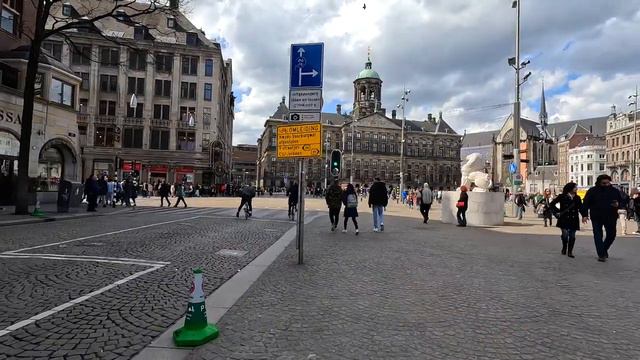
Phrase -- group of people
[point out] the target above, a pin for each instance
(109, 191)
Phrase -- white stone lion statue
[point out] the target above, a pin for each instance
(473, 172)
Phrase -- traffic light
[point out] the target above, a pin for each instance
(336, 162)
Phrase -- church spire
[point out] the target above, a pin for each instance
(543, 117)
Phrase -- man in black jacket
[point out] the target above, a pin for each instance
(601, 204)
(378, 200)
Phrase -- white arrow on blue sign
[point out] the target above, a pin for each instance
(306, 65)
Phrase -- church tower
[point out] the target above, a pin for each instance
(367, 92)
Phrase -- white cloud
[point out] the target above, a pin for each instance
(451, 53)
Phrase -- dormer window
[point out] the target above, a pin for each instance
(192, 39)
(139, 32)
(171, 22)
(121, 15)
(66, 9)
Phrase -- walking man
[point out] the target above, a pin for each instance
(334, 202)
(427, 200)
(164, 191)
(91, 190)
(180, 195)
(378, 200)
(601, 205)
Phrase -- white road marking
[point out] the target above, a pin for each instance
(99, 235)
(101, 259)
(75, 301)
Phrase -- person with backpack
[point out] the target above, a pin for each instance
(426, 199)
(164, 192)
(378, 201)
(180, 194)
(543, 207)
(520, 202)
(568, 216)
(334, 203)
(350, 201)
(247, 193)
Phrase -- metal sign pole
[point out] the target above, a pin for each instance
(300, 226)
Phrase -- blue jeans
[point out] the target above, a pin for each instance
(519, 212)
(378, 216)
(602, 247)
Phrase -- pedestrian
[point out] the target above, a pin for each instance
(634, 205)
(128, 190)
(111, 187)
(378, 201)
(521, 202)
(102, 190)
(624, 211)
(544, 208)
(601, 204)
(462, 205)
(180, 195)
(292, 198)
(135, 191)
(164, 191)
(350, 201)
(568, 216)
(426, 199)
(334, 203)
(91, 190)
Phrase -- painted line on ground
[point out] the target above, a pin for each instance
(75, 301)
(101, 259)
(99, 235)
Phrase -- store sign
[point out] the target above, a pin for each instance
(10, 116)
(9, 145)
(184, 169)
(159, 169)
(128, 166)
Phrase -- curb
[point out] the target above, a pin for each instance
(44, 219)
(221, 300)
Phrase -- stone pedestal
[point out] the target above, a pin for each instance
(485, 208)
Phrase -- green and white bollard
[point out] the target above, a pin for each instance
(196, 331)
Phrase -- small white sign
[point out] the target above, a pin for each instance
(304, 116)
(305, 100)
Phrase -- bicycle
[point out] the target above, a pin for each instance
(247, 212)
(293, 208)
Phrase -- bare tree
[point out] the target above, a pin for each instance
(49, 23)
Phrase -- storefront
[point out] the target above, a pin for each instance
(158, 173)
(9, 148)
(185, 174)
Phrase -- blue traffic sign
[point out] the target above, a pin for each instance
(513, 168)
(306, 65)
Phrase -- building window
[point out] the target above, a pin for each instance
(159, 139)
(383, 148)
(9, 19)
(66, 9)
(163, 88)
(85, 80)
(375, 147)
(84, 103)
(601, 167)
(189, 65)
(208, 67)
(140, 32)
(185, 111)
(132, 138)
(104, 136)
(137, 60)
(208, 92)
(206, 117)
(108, 83)
(136, 86)
(186, 141)
(589, 167)
(109, 56)
(53, 48)
(107, 108)
(192, 39)
(81, 55)
(161, 112)
(188, 90)
(61, 92)
(164, 62)
(135, 113)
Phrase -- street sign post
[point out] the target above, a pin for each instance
(305, 104)
(517, 180)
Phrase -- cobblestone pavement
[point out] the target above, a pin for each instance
(37, 280)
(437, 292)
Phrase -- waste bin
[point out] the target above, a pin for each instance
(64, 196)
(77, 190)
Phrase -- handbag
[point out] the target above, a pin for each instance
(460, 204)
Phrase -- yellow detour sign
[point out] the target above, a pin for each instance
(300, 140)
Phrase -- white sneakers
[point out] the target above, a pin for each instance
(376, 230)
(344, 231)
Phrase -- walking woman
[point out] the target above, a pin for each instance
(462, 205)
(350, 201)
(568, 216)
(543, 206)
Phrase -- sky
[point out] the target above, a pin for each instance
(452, 54)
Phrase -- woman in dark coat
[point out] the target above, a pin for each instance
(462, 205)
(568, 216)
(350, 201)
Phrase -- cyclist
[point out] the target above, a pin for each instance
(247, 193)
(292, 193)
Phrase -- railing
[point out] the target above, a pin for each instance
(160, 123)
(185, 125)
(104, 119)
(133, 121)
(83, 118)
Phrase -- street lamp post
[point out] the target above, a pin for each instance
(635, 139)
(327, 143)
(402, 105)
(353, 145)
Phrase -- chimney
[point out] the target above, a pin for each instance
(393, 114)
(590, 129)
(429, 117)
(613, 111)
(174, 4)
(339, 109)
(440, 116)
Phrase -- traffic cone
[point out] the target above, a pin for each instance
(196, 331)
(37, 211)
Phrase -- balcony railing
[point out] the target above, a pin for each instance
(185, 125)
(133, 121)
(105, 119)
(160, 123)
